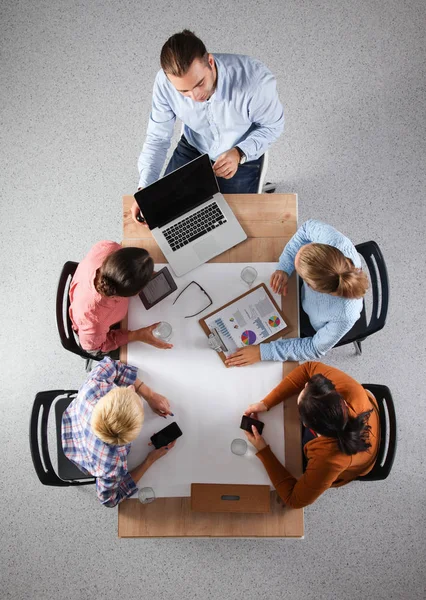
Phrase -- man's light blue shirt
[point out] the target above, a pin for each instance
(244, 111)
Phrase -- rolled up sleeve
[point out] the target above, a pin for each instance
(267, 115)
(113, 490)
(158, 137)
(105, 341)
(308, 348)
(111, 371)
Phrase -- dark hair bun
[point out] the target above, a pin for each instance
(106, 286)
(125, 272)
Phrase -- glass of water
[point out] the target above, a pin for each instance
(163, 331)
(249, 275)
(239, 447)
(146, 495)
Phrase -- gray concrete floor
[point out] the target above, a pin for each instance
(76, 80)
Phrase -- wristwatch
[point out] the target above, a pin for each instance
(243, 157)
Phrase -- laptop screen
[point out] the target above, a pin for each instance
(178, 192)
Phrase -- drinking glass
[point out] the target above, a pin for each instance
(163, 331)
(249, 275)
(239, 447)
(146, 495)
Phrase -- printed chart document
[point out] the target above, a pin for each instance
(248, 321)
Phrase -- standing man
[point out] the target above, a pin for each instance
(230, 109)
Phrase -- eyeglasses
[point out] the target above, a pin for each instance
(203, 290)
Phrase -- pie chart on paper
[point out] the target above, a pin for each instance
(274, 321)
(248, 337)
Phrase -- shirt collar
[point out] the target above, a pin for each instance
(218, 94)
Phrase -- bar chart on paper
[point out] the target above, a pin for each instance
(248, 321)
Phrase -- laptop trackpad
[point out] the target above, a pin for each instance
(206, 248)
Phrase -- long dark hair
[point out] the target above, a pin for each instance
(124, 272)
(324, 410)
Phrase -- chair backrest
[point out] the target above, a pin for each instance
(388, 433)
(263, 171)
(63, 319)
(379, 282)
(39, 441)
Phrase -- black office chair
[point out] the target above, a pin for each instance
(379, 283)
(388, 433)
(265, 187)
(69, 338)
(63, 319)
(68, 474)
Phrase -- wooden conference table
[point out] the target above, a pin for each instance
(269, 220)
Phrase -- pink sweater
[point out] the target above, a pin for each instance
(92, 314)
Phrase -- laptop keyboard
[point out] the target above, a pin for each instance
(193, 227)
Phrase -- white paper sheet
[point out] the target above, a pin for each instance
(207, 399)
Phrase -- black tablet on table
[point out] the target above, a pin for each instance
(159, 287)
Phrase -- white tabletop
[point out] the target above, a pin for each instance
(207, 399)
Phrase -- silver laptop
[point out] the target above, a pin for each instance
(189, 218)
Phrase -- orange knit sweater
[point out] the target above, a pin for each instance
(327, 465)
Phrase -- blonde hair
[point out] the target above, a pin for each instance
(327, 270)
(118, 417)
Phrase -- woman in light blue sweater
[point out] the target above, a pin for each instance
(332, 292)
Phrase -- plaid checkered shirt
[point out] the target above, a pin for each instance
(91, 455)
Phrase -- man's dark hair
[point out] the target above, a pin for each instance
(324, 410)
(125, 272)
(179, 52)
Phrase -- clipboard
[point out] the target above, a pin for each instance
(215, 340)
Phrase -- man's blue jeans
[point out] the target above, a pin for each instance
(245, 180)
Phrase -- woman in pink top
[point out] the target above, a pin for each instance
(99, 295)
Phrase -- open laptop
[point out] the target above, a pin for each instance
(189, 218)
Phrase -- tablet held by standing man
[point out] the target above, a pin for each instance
(230, 109)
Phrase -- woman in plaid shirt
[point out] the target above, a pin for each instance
(102, 421)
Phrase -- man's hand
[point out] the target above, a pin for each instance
(256, 439)
(255, 408)
(244, 357)
(279, 281)
(154, 455)
(226, 164)
(145, 335)
(159, 404)
(135, 211)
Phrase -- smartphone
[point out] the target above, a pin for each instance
(166, 436)
(247, 422)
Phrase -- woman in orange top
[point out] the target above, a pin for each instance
(341, 432)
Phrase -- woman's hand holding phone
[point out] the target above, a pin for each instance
(255, 439)
(157, 453)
